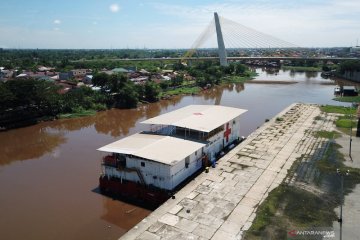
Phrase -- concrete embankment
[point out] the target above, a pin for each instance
(222, 204)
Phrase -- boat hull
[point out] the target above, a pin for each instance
(133, 191)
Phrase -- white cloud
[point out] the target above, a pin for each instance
(57, 21)
(56, 29)
(114, 8)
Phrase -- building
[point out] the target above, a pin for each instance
(151, 165)
(355, 49)
(79, 73)
(349, 91)
(140, 80)
(120, 70)
(65, 75)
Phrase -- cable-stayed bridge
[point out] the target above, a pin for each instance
(235, 35)
(232, 35)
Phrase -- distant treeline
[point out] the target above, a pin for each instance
(62, 59)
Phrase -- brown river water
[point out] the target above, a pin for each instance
(49, 172)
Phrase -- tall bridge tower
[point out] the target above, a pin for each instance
(220, 40)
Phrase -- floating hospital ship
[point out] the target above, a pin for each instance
(151, 165)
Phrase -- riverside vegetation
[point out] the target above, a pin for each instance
(27, 101)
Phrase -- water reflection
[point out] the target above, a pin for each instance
(28, 143)
(123, 215)
(311, 74)
(117, 123)
(239, 87)
(73, 124)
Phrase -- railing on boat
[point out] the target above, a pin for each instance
(109, 161)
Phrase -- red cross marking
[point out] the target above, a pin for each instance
(227, 132)
(197, 113)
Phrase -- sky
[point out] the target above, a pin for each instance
(105, 24)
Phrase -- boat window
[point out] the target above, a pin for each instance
(187, 161)
(143, 164)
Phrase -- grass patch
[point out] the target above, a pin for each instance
(332, 160)
(348, 99)
(289, 207)
(279, 119)
(345, 122)
(338, 109)
(327, 134)
(301, 69)
(181, 90)
(249, 75)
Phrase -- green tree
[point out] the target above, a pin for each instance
(127, 97)
(100, 79)
(178, 80)
(349, 65)
(7, 98)
(152, 91)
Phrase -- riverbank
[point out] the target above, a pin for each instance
(309, 197)
(223, 203)
(190, 89)
(354, 99)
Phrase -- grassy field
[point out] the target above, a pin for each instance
(348, 99)
(338, 109)
(181, 90)
(327, 134)
(191, 89)
(301, 69)
(345, 122)
(239, 79)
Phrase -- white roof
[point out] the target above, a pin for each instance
(164, 149)
(203, 118)
(21, 75)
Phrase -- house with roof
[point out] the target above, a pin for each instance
(120, 70)
(66, 75)
(80, 73)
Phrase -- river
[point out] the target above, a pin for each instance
(49, 172)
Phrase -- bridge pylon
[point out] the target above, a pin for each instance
(220, 41)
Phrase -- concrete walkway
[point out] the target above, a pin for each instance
(221, 204)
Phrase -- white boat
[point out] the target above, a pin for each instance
(337, 90)
(152, 164)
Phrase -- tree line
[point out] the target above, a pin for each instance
(25, 101)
